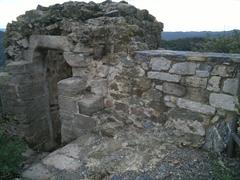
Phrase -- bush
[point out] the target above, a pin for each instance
(11, 149)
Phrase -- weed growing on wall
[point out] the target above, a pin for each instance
(11, 149)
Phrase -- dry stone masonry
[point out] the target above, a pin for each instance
(80, 68)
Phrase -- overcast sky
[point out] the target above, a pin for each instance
(177, 15)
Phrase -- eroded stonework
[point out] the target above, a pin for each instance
(78, 68)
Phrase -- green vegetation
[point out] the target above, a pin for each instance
(221, 172)
(183, 44)
(11, 149)
(222, 44)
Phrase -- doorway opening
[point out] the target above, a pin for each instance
(55, 69)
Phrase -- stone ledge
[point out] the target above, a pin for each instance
(191, 56)
(195, 106)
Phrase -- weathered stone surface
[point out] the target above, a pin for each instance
(222, 70)
(203, 70)
(80, 72)
(62, 162)
(185, 68)
(186, 121)
(202, 73)
(197, 94)
(23, 42)
(119, 106)
(170, 101)
(75, 59)
(195, 106)
(37, 171)
(102, 71)
(194, 81)
(91, 104)
(159, 87)
(174, 89)
(160, 64)
(214, 84)
(231, 86)
(68, 104)
(152, 95)
(72, 86)
(99, 87)
(50, 42)
(164, 76)
(82, 123)
(223, 101)
(218, 136)
(197, 58)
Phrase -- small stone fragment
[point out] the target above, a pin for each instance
(214, 84)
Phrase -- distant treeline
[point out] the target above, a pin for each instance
(222, 44)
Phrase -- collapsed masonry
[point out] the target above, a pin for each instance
(71, 66)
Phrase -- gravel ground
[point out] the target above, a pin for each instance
(181, 164)
(189, 164)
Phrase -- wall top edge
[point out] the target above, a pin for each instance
(191, 56)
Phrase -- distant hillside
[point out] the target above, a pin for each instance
(2, 29)
(193, 34)
(1, 48)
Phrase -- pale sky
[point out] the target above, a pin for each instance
(177, 15)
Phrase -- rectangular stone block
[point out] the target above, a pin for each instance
(164, 76)
(174, 89)
(222, 70)
(81, 121)
(197, 94)
(194, 81)
(195, 106)
(72, 86)
(160, 63)
(231, 86)
(68, 105)
(90, 104)
(223, 101)
(184, 68)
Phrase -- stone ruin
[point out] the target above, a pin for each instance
(79, 68)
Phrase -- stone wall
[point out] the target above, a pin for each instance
(194, 94)
(84, 59)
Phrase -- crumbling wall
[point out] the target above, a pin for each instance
(107, 28)
(86, 32)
